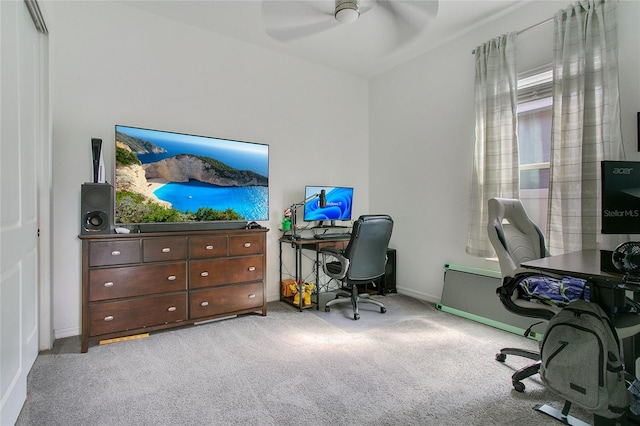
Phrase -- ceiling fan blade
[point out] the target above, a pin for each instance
(295, 32)
(287, 20)
(427, 7)
(365, 5)
(406, 24)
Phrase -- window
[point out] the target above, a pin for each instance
(534, 138)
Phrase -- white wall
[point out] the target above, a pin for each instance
(113, 64)
(422, 135)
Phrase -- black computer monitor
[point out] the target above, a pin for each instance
(335, 203)
(620, 197)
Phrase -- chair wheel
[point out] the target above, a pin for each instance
(327, 309)
(519, 386)
(356, 316)
(501, 357)
(383, 310)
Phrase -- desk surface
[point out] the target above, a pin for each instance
(608, 288)
(582, 264)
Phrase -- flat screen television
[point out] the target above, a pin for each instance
(337, 201)
(620, 197)
(188, 181)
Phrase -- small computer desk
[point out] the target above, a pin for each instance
(314, 245)
(608, 289)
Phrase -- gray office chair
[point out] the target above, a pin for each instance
(361, 262)
(516, 239)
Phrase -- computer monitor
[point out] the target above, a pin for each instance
(620, 197)
(332, 203)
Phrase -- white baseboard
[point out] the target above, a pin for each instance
(418, 295)
(61, 333)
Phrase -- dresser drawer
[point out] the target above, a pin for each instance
(207, 273)
(207, 247)
(164, 249)
(103, 253)
(129, 281)
(223, 300)
(111, 317)
(246, 245)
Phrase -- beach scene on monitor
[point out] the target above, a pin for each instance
(171, 177)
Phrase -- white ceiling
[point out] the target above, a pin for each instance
(371, 45)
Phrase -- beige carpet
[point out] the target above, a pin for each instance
(425, 367)
(341, 314)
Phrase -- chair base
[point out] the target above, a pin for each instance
(343, 296)
(524, 372)
(559, 415)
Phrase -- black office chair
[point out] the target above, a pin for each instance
(361, 262)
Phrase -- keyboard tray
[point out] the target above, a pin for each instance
(340, 236)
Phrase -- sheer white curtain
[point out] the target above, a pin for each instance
(586, 121)
(495, 158)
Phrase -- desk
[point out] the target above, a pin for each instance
(608, 288)
(583, 264)
(313, 245)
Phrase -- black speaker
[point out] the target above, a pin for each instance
(96, 208)
(96, 153)
(388, 280)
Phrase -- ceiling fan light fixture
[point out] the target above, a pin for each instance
(347, 12)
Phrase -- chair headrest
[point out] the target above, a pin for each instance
(514, 236)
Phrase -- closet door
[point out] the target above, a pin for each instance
(19, 133)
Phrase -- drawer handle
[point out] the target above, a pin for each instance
(171, 277)
(252, 296)
(108, 318)
(252, 268)
(115, 253)
(209, 247)
(205, 303)
(204, 274)
(108, 284)
(247, 245)
(172, 309)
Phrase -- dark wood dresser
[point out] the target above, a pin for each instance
(136, 283)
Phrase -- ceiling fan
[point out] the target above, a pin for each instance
(287, 20)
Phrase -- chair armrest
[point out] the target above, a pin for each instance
(508, 296)
(334, 255)
(526, 272)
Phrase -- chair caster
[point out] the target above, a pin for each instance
(501, 357)
(383, 310)
(327, 309)
(356, 316)
(518, 386)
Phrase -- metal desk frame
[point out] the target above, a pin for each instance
(313, 244)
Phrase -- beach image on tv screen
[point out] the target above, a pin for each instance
(172, 177)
